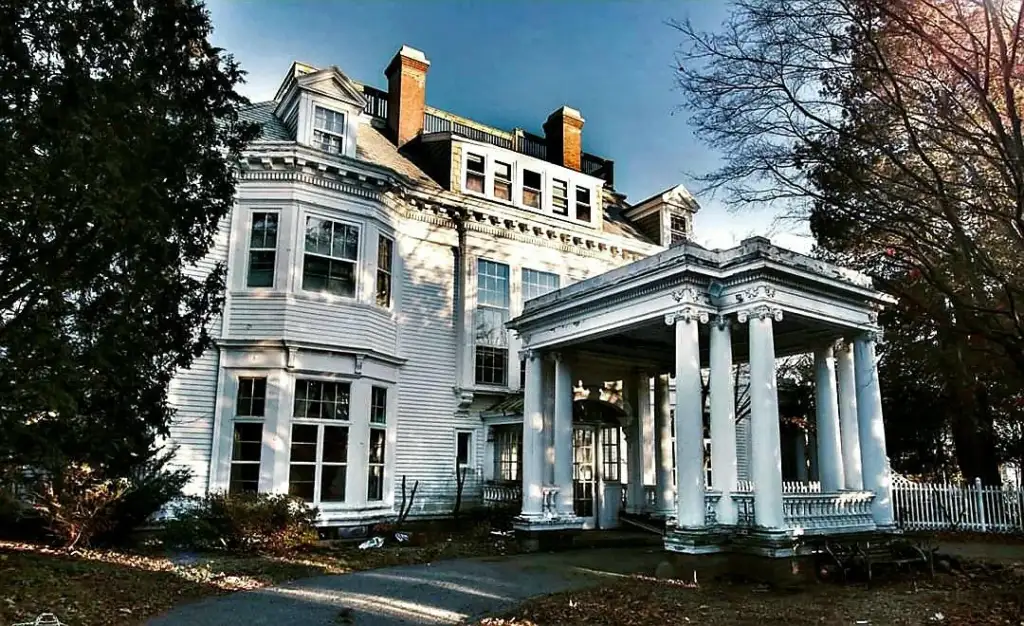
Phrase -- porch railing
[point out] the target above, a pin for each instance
(711, 499)
(825, 512)
(947, 506)
(744, 501)
(549, 501)
(497, 494)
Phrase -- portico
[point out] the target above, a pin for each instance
(690, 309)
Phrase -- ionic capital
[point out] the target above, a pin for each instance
(529, 354)
(763, 312)
(688, 314)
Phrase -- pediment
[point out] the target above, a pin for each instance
(332, 83)
(679, 196)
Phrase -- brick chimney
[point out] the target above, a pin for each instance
(407, 94)
(564, 134)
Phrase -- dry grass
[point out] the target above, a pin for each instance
(101, 587)
(980, 595)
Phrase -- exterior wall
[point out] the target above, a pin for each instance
(193, 392)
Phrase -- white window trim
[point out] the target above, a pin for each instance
(376, 269)
(342, 136)
(359, 260)
(522, 283)
(307, 121)
(348, 423)
(471, 461)
(512, 298)
(250, 220)
(576, 205)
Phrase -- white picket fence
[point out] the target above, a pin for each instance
(971, 507)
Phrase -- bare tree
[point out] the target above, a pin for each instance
(896, 126)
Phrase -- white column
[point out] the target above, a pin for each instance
(849, 433)
(689, 423)
(634, 446)
(533, 433)
(563, 434)
(830, 449)
(548, 436)
(872, 430)
(723, 419)
(664, 492)
(647, 431)
(765, 455)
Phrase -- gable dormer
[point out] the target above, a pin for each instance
(667, 217)
(321, 108)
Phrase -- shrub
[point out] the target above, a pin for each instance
(76, 502)
(151, 487)
(246, 522)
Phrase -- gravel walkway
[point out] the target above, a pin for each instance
(446, 592)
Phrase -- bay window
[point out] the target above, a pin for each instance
(377, 444)
(385, 252)
(247, 435)
(262, 250)
(331, 254)
(492, 311)
(319, 445)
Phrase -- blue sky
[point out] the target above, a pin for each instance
(510, 63)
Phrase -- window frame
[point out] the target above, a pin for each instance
(562, 211)
(342, 136)
(249, 417)
(684, 234)
(467, 173)
(589, 204)
(507, 311)
(321, 424)
(539, 189)
(511, 434)
(470, 461)
(388, 273)
(250, 249)
(306, 217)
(510, 181)
(523, 282)
(611, 453)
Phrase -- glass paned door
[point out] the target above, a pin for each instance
(584, 477)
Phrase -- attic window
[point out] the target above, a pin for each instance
(679, 229)
(502, 181)
(531, 189)
(329, 130)
(560, 197)
(475, 173)
(583, 212)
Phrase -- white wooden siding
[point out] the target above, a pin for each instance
(193, 392)
(256, 315)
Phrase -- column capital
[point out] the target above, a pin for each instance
(762, 312)
(687, 314)
(557, 357)
(721, 321)
(871, 335)
(529, 354)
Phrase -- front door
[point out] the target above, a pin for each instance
(584, 475)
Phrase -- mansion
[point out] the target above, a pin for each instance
(413, 296)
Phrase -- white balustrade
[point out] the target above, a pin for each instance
(549, 501)
(502, 493)
(812, 513)
(744, 502)
(795, 486)
(711, 499)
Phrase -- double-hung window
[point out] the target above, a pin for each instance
(503, 181)
(560, 197)
(537, 283)
(262, 250)
(678, 229)
(378, 443)
(475, 173)
(492, 311)
(319, 443)
(583, 204)
(385, 255)
(509, 445)
(610, 454)
(532, 194)
(463, 449)
(247, 435)
(329, 130)
(331, 252)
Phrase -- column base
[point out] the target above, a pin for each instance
(532, 523)
(706, 540)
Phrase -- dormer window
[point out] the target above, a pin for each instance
(560, 197)
(532, 194)
(503, 181)
(475, 173)
(329, 130)
(679, 229)
(583, 206)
